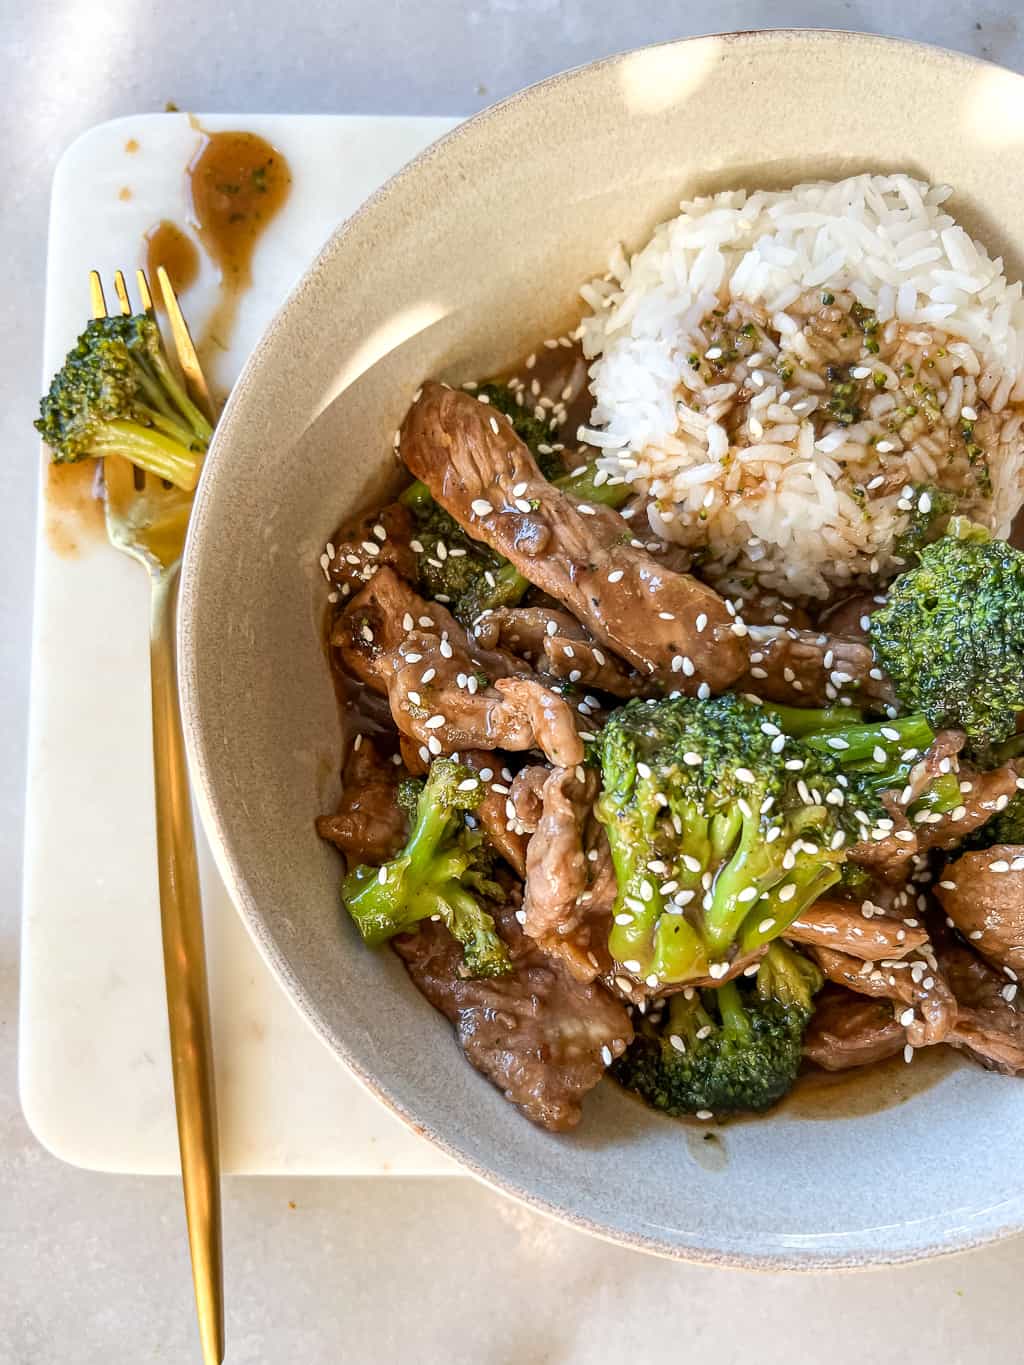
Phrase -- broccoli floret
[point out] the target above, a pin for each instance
(932, 508)
(472, 578)
(534, 432)
(1005, 827)
(444, 872)
(733, 1050)
(951, 636)
(721, 830)
(116, 394)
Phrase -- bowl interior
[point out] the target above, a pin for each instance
(454, 270)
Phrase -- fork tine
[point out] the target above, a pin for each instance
(184, 346)
(145, 296)
(96, 299)
(121, 290)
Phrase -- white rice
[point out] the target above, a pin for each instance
(864, 282)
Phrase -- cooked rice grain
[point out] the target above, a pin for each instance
(783, 372)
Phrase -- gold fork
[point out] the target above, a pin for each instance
(148, 521)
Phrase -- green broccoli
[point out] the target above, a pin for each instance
(879, 755)
(733, 1050)
(1005, 827)
(443, 872)
(533, 431)
(951, 636)
(722, 829)
(931, 510)
(116, 394)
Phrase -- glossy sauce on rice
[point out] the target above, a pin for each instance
(799, 380)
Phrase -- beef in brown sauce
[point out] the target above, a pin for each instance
(368, 824)
(810, 668)
(667, 625)
(848, 1030)
(983, 894)
(445, 692)
(555, 644)
(542, 1037)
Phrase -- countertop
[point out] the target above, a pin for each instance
(94, 1268)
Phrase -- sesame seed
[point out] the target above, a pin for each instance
(836, 743)
(414, 697)
(693, 760)
(705, 1113)
(446, 649)
(676, 1042)
(631, 965)
(470, 784)
(884, 447)
(968, 414)
(749, 893)
(624, 919)
(703, 691)
(908, 1053)
(434, 723)
(523, 506)
(606, 1055)
(481, 507)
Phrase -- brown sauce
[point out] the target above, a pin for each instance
(73, 513)
(168, 246)
(237, 182)
(868, 1089)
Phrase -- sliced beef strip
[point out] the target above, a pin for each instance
(368, 825)
(983, 894)
(526, 795)
(914, 982)
(987, 793)
(570, 881)
(989, 1026)
(848, 617)
(478, 469)
(808, 668)
(556, 862)
(551, 720)
(380, 539)
(888, 858)
(555, 644)
(848, 1030)
(444, 691)
(542, 1037)
(769, 609)
(841, 925)
(505, 833)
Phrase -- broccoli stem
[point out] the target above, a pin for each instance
(152, 450)
(772, 916)
(942, 796)
(582, 484)
(734, 1017)
(869, 746)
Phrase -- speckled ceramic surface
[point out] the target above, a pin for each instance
(454, 269)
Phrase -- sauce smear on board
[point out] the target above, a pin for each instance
(238, 182)
(168, 246)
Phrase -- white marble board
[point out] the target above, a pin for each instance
(94, 1058)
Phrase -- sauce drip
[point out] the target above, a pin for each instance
(237, 182)
(168, 245)
(74, 515)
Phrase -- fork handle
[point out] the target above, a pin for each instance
(188, 1005)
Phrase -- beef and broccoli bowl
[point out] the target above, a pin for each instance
(684, 679)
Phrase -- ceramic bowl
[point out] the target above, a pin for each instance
(455, 269)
